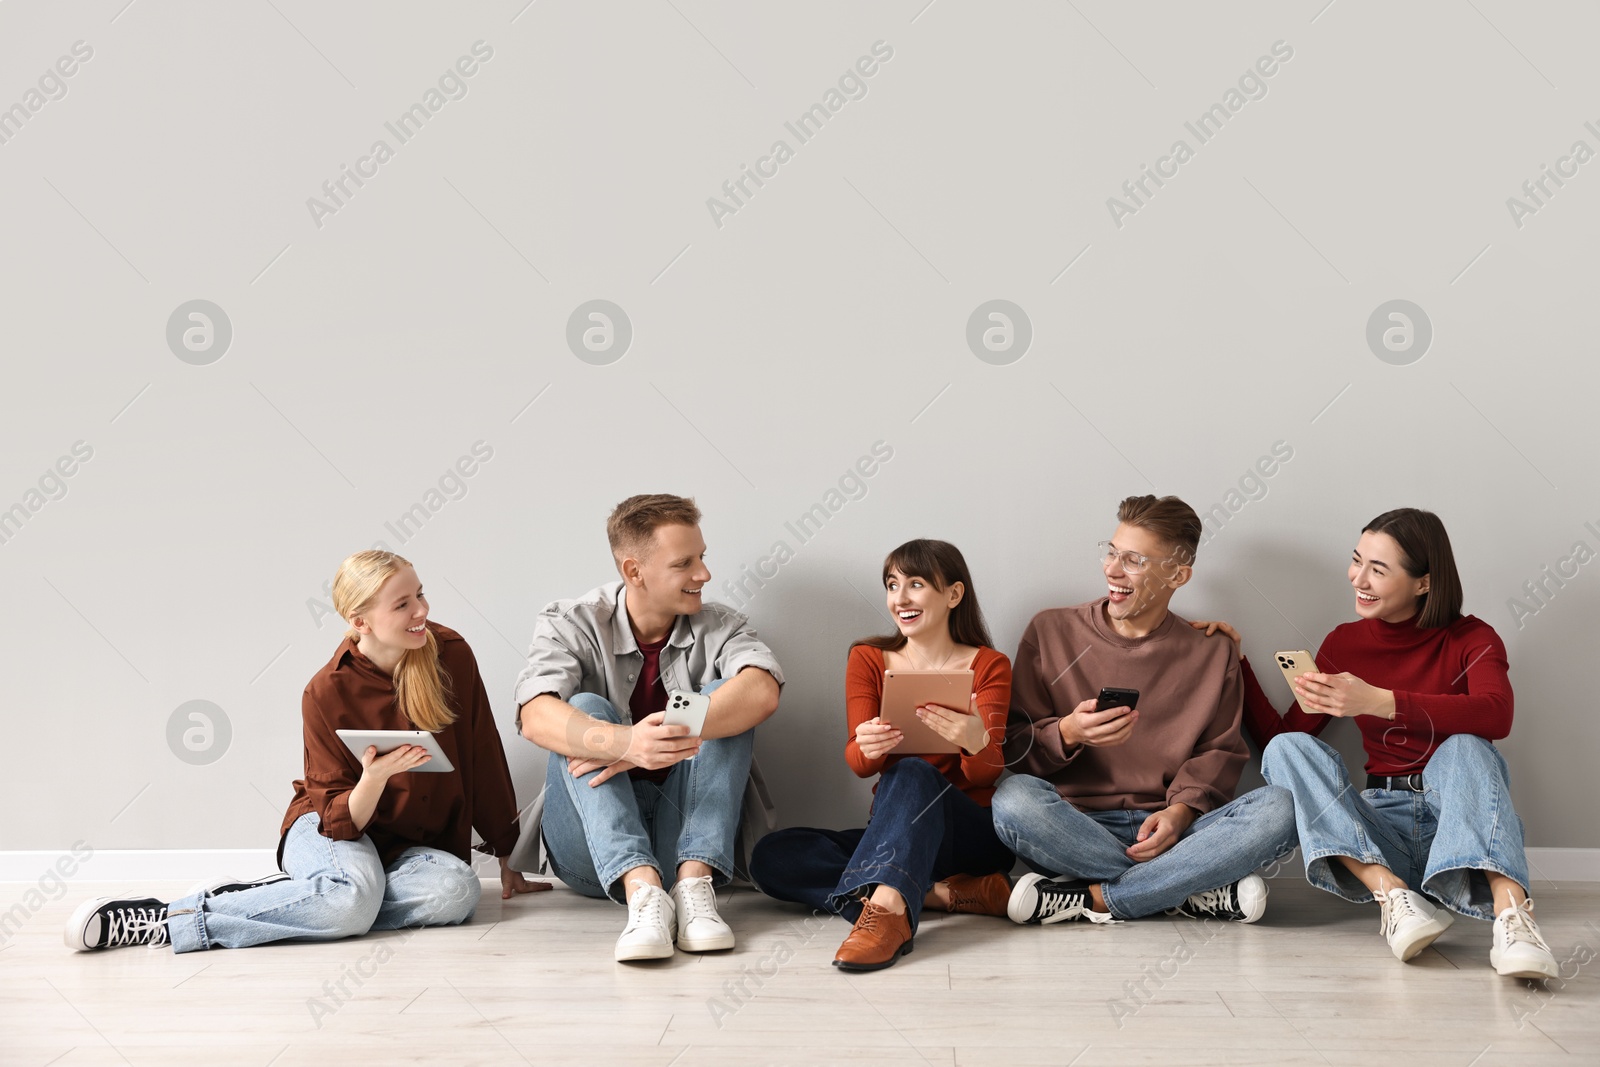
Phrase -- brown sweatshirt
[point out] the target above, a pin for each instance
(435, 809)
(1186, 747)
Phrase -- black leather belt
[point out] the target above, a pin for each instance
(1412, 782)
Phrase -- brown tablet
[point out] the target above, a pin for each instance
(905, 691)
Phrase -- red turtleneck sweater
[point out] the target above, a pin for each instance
(1448, 680)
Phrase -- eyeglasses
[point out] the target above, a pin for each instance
(1132, 562)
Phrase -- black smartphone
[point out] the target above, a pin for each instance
(1112, 697)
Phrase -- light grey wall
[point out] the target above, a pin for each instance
(772, 346)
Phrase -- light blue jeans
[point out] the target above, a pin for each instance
(596, 834)
(335, 889)
(1440, 840)
(1221, 846)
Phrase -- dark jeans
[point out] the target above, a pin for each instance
(922, 830)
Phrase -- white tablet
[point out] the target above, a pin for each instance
(387, 741)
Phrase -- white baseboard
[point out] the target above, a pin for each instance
(157, 864)
(1544, 865)
(174, 864)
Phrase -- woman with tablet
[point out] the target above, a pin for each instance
(930, 839)
(1427, 688)
(370, 842)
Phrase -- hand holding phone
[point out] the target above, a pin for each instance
(1293, 664)
(687, 709)
(1102, 722)
(1112, 697)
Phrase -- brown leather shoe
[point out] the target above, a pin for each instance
(877, 940)
(979, 896)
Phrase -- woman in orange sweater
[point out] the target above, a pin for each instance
(925, 844)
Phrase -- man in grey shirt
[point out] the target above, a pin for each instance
(634, 806)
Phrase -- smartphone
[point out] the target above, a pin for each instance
(1294, 663)
(1111, 697)
(687, 709)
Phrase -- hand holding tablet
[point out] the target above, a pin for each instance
(386, 741)
(906, 691)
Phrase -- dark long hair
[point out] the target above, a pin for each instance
(941, 563)
(1425, 550)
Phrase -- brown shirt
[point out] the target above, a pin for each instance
(436, 810)
(1186, 747)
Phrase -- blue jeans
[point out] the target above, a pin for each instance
(922, 830)
(596, 834)
(1221, 846)
(335, 889)
(1441, 840)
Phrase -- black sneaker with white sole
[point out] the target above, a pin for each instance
(1243, 901)
(236, 885)
(113, 922)
(1037, 900)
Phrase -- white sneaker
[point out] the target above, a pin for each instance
(648, 935)
(1410, 922)
(700, 928)
(1518, 950)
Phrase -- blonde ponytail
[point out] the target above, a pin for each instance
(421, 684)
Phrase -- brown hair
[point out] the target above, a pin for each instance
(941, 563)
(421, 684)
(1425, 551)
(1169, 519)
(633, 523)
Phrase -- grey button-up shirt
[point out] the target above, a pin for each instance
(586, 645)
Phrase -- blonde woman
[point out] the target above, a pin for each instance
(365, 845)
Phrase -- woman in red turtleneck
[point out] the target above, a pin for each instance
(1427, 688)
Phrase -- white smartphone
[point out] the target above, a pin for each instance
(386, 741)
(687, 709)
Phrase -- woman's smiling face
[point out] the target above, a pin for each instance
(1384, 589)
(919, 609)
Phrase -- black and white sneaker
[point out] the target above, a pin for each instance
(112, 922)
(1037, 900)
(235, 885)
(1243, 901)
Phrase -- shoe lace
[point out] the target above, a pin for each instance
(960, 896)
(868, 920)
(1398, 905)
(1075, 901)
(645, 908)
(1054, 900)
(136, 926)
(1218, 901)
(1519, 925)
(697, 899)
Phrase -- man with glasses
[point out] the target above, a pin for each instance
(1130, 812)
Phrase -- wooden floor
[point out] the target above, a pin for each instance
(533, 982)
